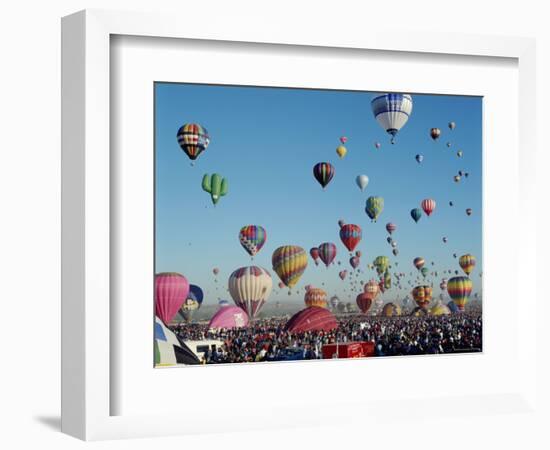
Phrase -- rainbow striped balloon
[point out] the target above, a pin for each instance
(289, 262)
(252, 238)
(459, 289)
(193, 139)
(467, 262)
(327, 252)
(323, 173)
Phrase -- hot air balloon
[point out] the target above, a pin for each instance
(323, 173)
(451, 203)
(342, 274)
(391, 227)
(192, 302)
(343, 139)
(456, 178)
(341, 151)
(466, 174)
(216, 185)
(469, 211)
(435, 133)
(374, 207)
(228, 317)
(392, 111)
(459, 153)
(364, 301)
(419, 262)
(250, 287)
(252, 238)
(387, 280)
(362, 181)
(419, 158)
(334, 302)
(467, 263)
(394, 244)
(424, 271)
(193, 139)
(316, 297)
(452, 126)
(443, 284)
(358, 253)
(222, 303)
(428, 205)
(377, 145)
(314, 252)
(444, 239)
(215, 271)
(289, 262)
(452, 306)
(281, 285)
(422, 295)
(171, 290)
(439, 309)
(381, 263)
(312, 318)
(416, 214)
(350, 235)
(448, 144)
(395, 252)
(354, 262)
(327, 252)
(391, 309)
(459, 289)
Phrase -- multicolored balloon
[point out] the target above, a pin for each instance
(422, 295)
(350, 235)
(314, 253)
(354, 262)
(192, 303)
(171, 290)
(289, 262)
(193, 139)
(416, 214)
(316, 297)
(250, 288)
(459, 289)
(327, 252)
(323, 173)
(428, 205)
(467, 263)
(424, 271)
(435, 133)
(374, 207)
(381, 263)
(392, 111)
(419, 262)
(343, 139)
(252, 238)
(391, 227)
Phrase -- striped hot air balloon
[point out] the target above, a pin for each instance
(323, 173)
(252, 238)
(193, 139)
(459, 289)
(316, 297)
(428, 205)
(422, 295)
(314, 252)
(327, 252)
(364, 302)
(250, 288)
(419, 262)
(391, 227)
(171, 290)
(392, 111)
(467, 263)
(289, 262)
(350, 235)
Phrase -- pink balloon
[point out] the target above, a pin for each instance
(171, 290)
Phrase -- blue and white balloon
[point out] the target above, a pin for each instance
(392, 111)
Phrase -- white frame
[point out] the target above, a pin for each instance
(86, 195)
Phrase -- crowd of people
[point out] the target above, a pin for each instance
(267, 340)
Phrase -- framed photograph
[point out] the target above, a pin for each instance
(307, 228)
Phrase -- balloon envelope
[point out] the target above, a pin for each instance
(312, 318)
(392, 111)
(250, 288)
(229, 317)
(362, 181)
(171, 290)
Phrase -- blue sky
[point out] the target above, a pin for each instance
(265, 141)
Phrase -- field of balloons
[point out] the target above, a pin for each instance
(368, 284)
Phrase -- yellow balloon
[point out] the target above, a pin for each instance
(341, 151)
